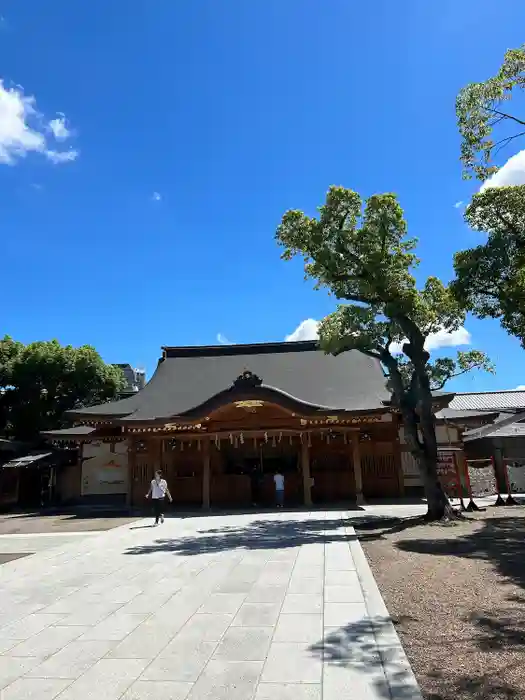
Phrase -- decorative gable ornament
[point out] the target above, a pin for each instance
(247, 380)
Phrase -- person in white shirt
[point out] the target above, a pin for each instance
(278, 480)
(158, 491)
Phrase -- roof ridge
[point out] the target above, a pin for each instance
(493, 391)
(171, 351)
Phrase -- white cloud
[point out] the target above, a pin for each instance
(440, 339)
(306, 330)
(223, 340)
(459, 204)
(520, 387)
(59, 129)
(156, 196)
(21, 129)
(57, 157)
(512, 173)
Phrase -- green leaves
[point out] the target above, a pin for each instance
(42, 380)
(443, 369)
(480, 107)
(490, 278)
(365, 257)
(347, 250)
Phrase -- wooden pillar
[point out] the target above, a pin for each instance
(305, 465)
(206, 475)
(131, 471)
(358, 475)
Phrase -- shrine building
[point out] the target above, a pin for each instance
(220, 421)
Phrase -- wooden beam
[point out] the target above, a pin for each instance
(224, 433)
(206, 475)
(358, 475)
(305, 466)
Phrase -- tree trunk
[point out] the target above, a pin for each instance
(438, 505)
(425, 453)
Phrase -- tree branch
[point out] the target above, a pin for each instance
(440, 385)
(505, 142)
(356, 297)
(506, 116)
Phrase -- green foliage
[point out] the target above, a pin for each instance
(42, 380)
(366, 259)
(481, 106)
(490, 278)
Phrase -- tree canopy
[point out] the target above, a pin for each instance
(482, 107)
(490, 278)
(42, 380)
(365, 258)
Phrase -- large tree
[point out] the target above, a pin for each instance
(490, 278)
(484, 107)
(366, 259)
(42, 380)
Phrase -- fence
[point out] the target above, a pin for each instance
(482, 481)
(515, 474)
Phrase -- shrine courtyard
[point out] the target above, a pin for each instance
(275, 605)
(269, 605)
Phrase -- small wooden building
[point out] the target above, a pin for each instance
(220, 421)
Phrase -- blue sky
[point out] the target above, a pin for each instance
(166, 139)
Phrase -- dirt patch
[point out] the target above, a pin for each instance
(30, 524)
(4, 558)
(457, 596)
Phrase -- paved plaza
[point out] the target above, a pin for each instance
(273, 606)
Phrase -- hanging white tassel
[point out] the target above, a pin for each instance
(231, 439)
(273, 441)
(280, 437)
(265, 437)
(241, 439)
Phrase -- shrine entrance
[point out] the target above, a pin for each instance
(260, 463)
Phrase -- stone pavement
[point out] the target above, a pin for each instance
(273, 606)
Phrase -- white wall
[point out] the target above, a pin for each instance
(104, 472)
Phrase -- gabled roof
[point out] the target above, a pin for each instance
(65, 433)
(506, 425)
(489, 400)
(188, 377)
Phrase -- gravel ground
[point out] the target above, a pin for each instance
(457, 596)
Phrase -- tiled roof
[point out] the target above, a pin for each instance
(489, 400)
(508, 431)
(187, 377)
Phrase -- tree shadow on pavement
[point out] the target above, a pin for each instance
(379, 527)
(367, 656)
(368, 653)
(499, 541)
(259, 534)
